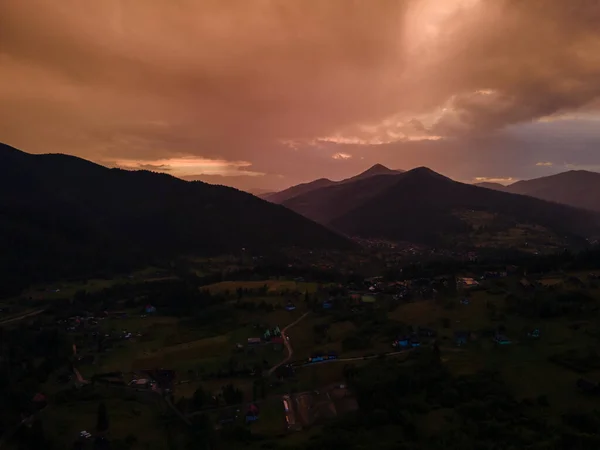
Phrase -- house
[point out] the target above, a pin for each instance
(414, 342)
(39, 400)
(317, 357)
(534, 334)
(402, 342)
(355, 296)
(462, 337)
(252, 413)
(407, 341)
(467, 282)
(501, 339)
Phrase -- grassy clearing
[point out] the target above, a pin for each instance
(174, 355)
(302, 337)
(64, 422)
(430, 313)
(271, 420)
(67, 289)
(273, 286)
(524, 365)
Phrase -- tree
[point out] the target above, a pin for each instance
(102, 421)
(36, 435)
(204, 436)
(232, 395)
(436, 351)
(200, 398)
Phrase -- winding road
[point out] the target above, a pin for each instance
(288, 346)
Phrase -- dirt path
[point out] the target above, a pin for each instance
(24, 316)
(288, 346)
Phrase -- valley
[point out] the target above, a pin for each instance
(281, 360)
(391, 300)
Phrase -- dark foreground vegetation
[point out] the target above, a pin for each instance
(418, 404)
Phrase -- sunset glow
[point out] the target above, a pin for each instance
(182, 167)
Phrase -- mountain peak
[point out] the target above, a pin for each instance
(424, 171)
(376, 169)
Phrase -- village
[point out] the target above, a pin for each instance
(281, 357)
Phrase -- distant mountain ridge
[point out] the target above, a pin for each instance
(300, 189)
(495, 186)
(59, 210)
(421, 205)
(579, 188)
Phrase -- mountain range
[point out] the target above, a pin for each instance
(64, 215)
(423, 206)
(294, 191)
(579, 188)
(59, 211)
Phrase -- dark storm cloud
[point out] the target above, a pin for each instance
(232, 81)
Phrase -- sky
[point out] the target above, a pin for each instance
(264, 94)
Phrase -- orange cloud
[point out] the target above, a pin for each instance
(184, 167)
(500, 180)
(230, 80)
(341, 156)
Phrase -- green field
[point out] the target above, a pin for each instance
(273, 286)
(130, 418)
(205, 353)
(524, 364)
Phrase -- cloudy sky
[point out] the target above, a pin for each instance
(268, 93)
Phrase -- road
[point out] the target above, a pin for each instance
(24, 316)
(360, 358)
(286, 342)
(377, 355)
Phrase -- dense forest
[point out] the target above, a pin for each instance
(62, 216)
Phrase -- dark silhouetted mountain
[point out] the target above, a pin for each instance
(423, 206)
(259, 192)
(328, 203)
(494, 186)
(377, 169)
(301, 189)
(578, 188)
(294, 191)
(61, 211)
